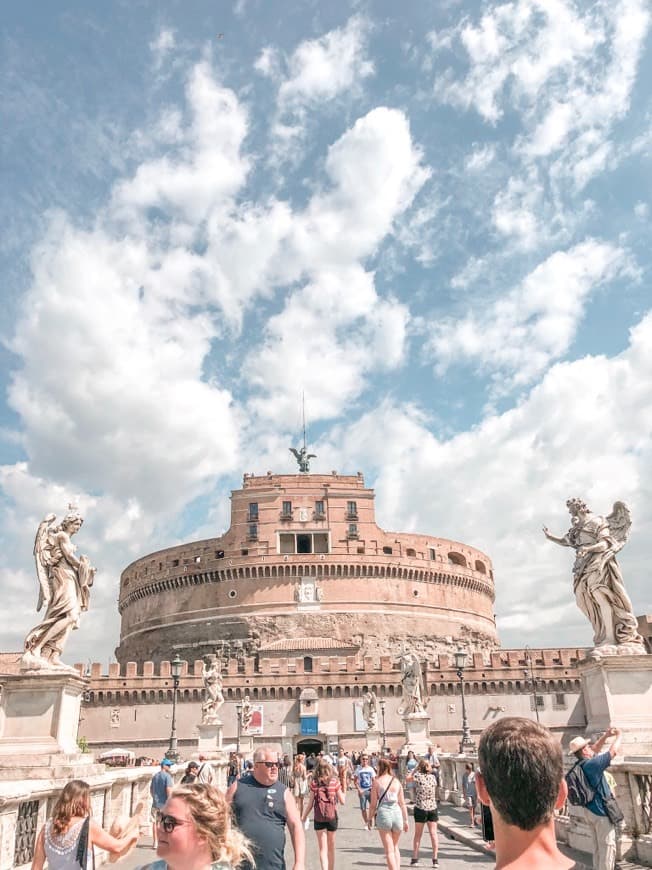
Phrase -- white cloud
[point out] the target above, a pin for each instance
(320, 69)
(641, 210)
(160, 47)
(520, 334)
(267, 62)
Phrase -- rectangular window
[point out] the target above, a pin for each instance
(287, 509)
(353, 530)
(286, 544)
(253, 531)
(432, 552)
(253, 510)
(560, 701)
(320, 543)
(304, 543)
(352, 508)
(538, 700)
(319, 508)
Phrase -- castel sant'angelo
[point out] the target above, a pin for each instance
(304, 566)
(307, 605)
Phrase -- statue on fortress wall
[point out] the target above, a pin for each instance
(303, 458)
(212, 678)
(246, 714)
(413, 700)
(597, 581)
(370, 710)
(65, 581)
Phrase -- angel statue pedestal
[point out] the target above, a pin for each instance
(210, 738)
(39, 719)
(417, 733)
(617, 690)
(373, 742)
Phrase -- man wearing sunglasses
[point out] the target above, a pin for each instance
(263, 806)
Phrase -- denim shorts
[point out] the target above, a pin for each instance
(365, 797)
(389, 817)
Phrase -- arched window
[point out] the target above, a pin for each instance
(480, 567)
(457, 559)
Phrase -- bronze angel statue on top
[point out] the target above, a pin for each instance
(597, 581)
(64, 590)
(303, 457)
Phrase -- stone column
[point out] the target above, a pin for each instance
(209, 741)
(417, 734)
(373, 741)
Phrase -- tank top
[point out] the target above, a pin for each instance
(261, 816)
(61, 849)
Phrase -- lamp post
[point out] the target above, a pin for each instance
(533, 682)
(175, 670)
(382, 715)
(466, 743)
(238, 714)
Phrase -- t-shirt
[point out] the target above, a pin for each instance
(425, 791)
(594, 769)
(365, 776)
(261, 816)
(159, 786)
(410, 764)
(468, 784)
(206, 773)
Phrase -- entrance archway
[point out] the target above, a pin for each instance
(308, 745)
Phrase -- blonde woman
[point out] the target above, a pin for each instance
(68, 837)
(299, 781)
(388, 808)
(195, 832)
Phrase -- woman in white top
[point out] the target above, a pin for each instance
(388, 808)
(58, 841)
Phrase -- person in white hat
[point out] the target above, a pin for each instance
(594, 762)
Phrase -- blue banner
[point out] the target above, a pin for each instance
(310, 724)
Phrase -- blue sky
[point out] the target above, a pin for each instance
(434, 220)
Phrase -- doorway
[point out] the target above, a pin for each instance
(308, 745)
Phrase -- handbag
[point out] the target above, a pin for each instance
(614, 812)
(82, 845)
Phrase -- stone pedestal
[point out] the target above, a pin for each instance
(417, 734)
(246, 746)
(39, 719)
(373, 741)
(210, 738)
(618, 691)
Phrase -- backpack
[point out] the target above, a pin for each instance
(325, 804)
(580, 790)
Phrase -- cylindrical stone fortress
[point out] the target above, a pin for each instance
(304, 558)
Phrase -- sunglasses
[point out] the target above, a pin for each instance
(269, 764)
(169, 823)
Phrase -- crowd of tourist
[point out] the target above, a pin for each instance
(515, 788)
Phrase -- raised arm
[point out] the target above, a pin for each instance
(563, 542)
(295, 827)
(99, 837)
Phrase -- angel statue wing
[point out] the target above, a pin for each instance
(297, 455)
(42, 559)
(620, 522)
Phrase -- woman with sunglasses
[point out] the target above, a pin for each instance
(68, 836)
(195, 832)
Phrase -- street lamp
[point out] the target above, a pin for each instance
(382, 715)
(466, 743)
(175, 670)
(533, 682)
(238, 713)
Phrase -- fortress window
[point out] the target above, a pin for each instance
(351, 510)
(480, 566)
(286, 510)
(387, 551)
(252, 533)
(253, 510)
(307, 664)
(319, 509)
(433, 554)
(457, 559)
(352, 530)
(175, 563)
(219, 554)
(309, 542)
(410, 552)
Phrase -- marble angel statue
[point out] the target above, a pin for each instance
(246, 714)
(65, 580)
(370, 710)
(597, 580)
(212, 677)
(413, 700)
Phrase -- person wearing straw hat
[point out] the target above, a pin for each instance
(594, 763)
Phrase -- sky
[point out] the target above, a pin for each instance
(431, 219)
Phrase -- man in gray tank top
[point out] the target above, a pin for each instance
(262, 807)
